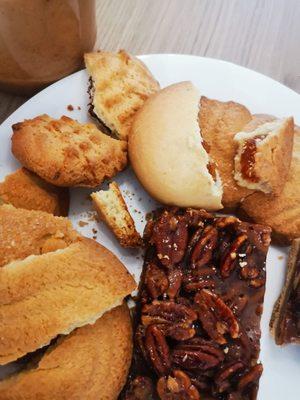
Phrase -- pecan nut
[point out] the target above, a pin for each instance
(200, 278)
(203, 250)
(156, 280)
(226, 374)
(178, 331)
(177, 386)
(196, 217)
(158, 350)
(197, 354)
(248, 272)
(164, 312)
(139, 340)
(251, 377)
(175, 279)
(141, 388)
(170, 236)
(216, 317)
(229, 261)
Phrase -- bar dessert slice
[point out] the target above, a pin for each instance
(285, 321)
(197, 320)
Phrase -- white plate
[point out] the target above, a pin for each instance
(216, 79)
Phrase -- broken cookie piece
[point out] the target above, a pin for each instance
(27, 232)
(67, 153)
(24, 189)
(264, 154)
(168, 153)
(119, 86)
(112, 209)
(285, 321)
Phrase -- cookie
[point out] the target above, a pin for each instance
(219, 122)
(264, 154)
(24, 189)
(112, 209)
(281, 213)
(26, 232)
(63, 290)
(91, 364)
(65, 152)
(120, 85)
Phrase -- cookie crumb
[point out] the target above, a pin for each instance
(82, 223)
(280, 257)
(78, 108)
(70, 107)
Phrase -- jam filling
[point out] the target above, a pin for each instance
(248, 159)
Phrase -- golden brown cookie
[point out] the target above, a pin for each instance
(281, 213)
(168, 153)
(264, 154)
(51, 294)
(65, 152)
(24, 189)
(26, 232)
(91, 364)
(120, 84)
(112, 209)
(219, 122)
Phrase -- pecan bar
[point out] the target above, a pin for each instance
(285, 321)
(197, 322)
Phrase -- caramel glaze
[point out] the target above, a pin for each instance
(242, 293)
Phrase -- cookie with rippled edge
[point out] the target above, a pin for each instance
(91, 363)
(26, 232)
(67, 153)
(264, 154)
(219, 122)
(63, 290)
(24, 189)
(281, 213)
(119, 86)
(168, 153)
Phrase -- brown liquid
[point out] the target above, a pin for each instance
(42, 41)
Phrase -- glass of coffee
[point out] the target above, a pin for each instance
(42, 41)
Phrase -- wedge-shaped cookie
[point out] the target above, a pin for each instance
(91, 363)
(112, 209)
(67, 153)
(264, 154)
(120, 84)
(281, 213)
(219, 122)
(24, 232)
(54, 293)
(285, 321)
(25, 189)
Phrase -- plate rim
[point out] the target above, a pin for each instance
(159, 55)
